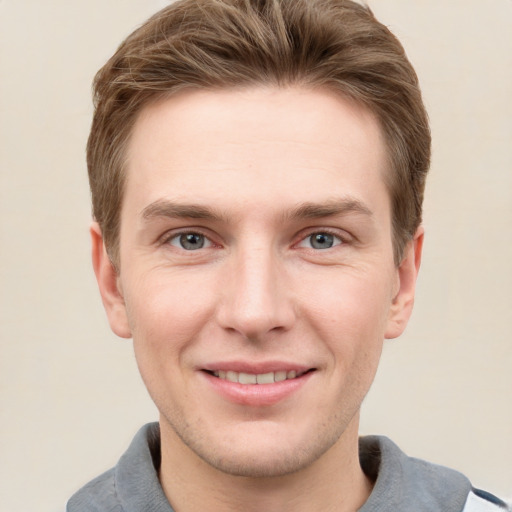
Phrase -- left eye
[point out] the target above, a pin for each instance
(190, 241)
(321, 241)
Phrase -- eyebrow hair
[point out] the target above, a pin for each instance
(329, 208)
(306, 210)
(164, 208)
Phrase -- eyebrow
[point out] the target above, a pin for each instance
(330, 208)
(306, 210)
(170, 209)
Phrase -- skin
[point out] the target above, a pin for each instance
(260, 176)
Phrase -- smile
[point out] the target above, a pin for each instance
(256, 385)
(259, 378)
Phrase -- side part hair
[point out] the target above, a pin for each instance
(208, 44)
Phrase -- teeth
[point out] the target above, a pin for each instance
(265, 378)
(247, 378)
(260, 378)
(232, 376)
(279, 376)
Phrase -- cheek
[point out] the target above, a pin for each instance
(166, 315)
(350, 316)
(166, 312)
(354, 300)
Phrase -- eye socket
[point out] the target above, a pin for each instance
(321, 241)
(190, 241)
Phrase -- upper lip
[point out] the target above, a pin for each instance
(256, 368)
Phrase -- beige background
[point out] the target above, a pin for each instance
(70, 395)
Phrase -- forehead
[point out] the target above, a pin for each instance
(259, 146)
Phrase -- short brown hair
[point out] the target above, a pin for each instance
(336, 44)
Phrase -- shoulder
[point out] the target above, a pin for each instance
(98, 495)
(405, 483)
(132, 485)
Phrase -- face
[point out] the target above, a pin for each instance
(256, 271)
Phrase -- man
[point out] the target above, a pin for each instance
(257, 170)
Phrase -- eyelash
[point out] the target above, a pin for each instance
(341, 239)
(169, 237)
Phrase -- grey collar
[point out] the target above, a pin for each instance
(405, 484)
(402, 484)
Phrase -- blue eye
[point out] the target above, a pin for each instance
(190, 241)
(321, 241)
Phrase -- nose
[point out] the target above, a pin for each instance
(256, 296)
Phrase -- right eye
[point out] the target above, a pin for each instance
(190, 241)
(321, 240)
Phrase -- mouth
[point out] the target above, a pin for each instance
(257, 385)
(258, 378)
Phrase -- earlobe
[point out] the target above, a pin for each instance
(403, 301)
(108, 282)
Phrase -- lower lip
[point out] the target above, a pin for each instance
(257, 395)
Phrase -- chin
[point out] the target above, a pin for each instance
(260, 452)
(259, 467)
(258, 462)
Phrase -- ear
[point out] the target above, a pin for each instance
(109, 284)
(407, 273)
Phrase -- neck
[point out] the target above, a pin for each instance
(335, 481)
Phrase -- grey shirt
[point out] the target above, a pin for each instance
(402, 484)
